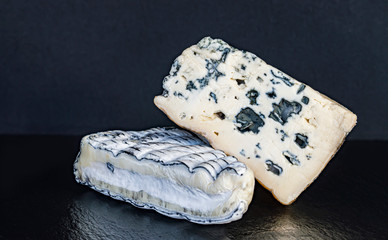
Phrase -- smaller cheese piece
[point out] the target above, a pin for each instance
(168, 170)
(285, 131)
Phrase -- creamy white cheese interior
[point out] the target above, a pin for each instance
(285, 131)
(172, 192)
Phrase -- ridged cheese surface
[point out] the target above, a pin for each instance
(168, 170)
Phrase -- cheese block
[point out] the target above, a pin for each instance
(285, 131)
(168, 170)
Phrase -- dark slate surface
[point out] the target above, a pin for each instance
(74, 67)
(41, 200)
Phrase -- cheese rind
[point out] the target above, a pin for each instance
(285, 131)
(168, 170)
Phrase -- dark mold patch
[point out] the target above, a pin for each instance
(240, 81)
(225, 54)
(175, 68)
(273, 167)
(110, 167)
(292, 158)
(212, 71)
(301, 140)
(252, 95)
(305, 100)
(282, 111)
(249, 121)
(178, 94)
(271, 94)
(190, 86)
(203, 82)
(242, 152)
(284, 135)
(220, 115)
(301, 88)
(213, 95)
(285, 79)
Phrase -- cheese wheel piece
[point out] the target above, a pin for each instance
(168, 170)
(285, 131)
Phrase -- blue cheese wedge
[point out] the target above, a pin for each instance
(168, 170)
(285, 131)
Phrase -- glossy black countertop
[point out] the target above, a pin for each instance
(41, 200)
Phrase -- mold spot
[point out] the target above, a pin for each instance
(190, 86)
(282, 111)
(179, 95)
(249, 120)
(110, 167)
(220, 115)
(175, 68)
(213, 95)
(305, 100)
(273, 167)
(271, 94)
(284, 135)
(301, 140)
(281, 76)
(252, 95)
(240, 81)
(242, 152)
(301, 88)
(292, 158)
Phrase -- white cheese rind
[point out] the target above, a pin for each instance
(285, 131)
(168, 170)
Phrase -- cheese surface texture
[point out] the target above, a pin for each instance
(285, 131)
(168, 170)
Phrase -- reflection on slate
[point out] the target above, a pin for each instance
(97, 216)
(41, 200)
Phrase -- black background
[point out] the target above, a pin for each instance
(76, 67)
